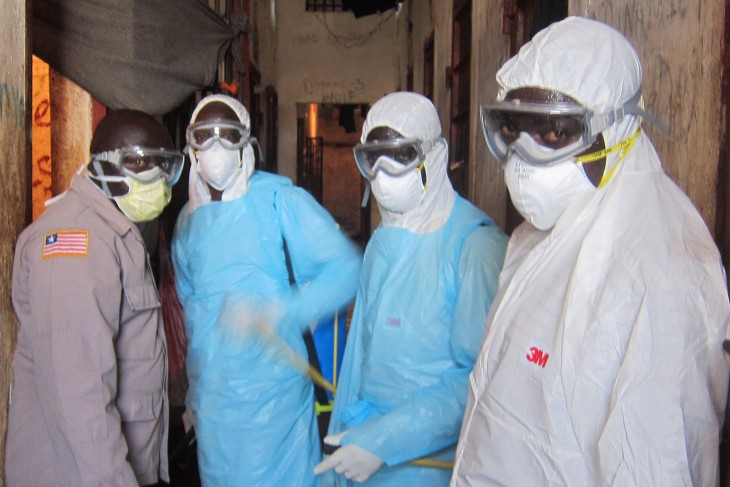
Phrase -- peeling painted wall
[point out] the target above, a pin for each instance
(41, 136)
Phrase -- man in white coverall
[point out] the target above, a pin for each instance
(603, 361)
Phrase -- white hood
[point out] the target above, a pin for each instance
(414, 116)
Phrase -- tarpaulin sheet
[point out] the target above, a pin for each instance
(148, 55)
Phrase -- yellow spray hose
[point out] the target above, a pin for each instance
(302, 364)
(294, 358)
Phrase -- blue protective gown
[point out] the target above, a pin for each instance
(254, 412)
(415, 334)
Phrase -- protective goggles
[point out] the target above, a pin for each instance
(145, 164)
(231, 135)
(540, 133)
(395, 156)
(546, 133)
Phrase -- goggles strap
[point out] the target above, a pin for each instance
(624, 146)
(101, 177)
(422, 167)
(633, 106)
(365, 196)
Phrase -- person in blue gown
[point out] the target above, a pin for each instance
(429, 274)
(251, 406)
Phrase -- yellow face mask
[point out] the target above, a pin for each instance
(144, 201)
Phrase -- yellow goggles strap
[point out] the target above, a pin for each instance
(624, 146)
(420, 168)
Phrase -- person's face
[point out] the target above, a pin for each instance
(556, 136)
(128, 128)
(212, 112)
(403, 155)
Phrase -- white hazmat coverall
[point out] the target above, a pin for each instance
(603, 361)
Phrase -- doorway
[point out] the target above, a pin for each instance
(326, 134)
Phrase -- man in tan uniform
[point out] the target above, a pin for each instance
(89, 399)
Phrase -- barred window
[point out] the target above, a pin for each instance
(324, 6)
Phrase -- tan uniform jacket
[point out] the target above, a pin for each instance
(89, 399)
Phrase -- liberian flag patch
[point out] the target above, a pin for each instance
(70, 243)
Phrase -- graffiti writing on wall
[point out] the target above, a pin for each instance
(327, 91)
(41, 136)
(42, 175)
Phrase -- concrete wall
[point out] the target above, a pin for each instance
(15, 173)
(329, 58)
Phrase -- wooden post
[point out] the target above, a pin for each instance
(15, 173)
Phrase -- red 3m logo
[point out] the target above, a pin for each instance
(537, 356)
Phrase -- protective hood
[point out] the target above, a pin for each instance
(581, 311)
(198, 191)
(413, 115)
(607, 81)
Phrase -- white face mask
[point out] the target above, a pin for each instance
(217, 166)
(542, 193)
(399, 194)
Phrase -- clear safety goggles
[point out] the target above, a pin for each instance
(145, 164)
(546, 133)
(395, 156)
(231, 135)
(540, 133)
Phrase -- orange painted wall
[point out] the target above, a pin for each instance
(41, 135)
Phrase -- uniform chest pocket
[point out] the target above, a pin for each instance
(138, 330)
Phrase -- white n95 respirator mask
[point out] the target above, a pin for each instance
(542, 193)
(398, 194)
(218, 165)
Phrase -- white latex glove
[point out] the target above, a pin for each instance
(355, 463)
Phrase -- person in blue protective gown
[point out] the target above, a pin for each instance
(252, 408)
(429, 275)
